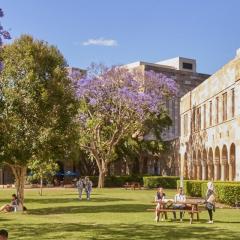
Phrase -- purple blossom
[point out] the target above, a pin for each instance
(117, 93)
(1, 13)
(92, 101)
(3, 33)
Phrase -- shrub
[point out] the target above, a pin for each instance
(159, 181)
(117, 181)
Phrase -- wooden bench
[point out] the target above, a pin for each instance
(132, 185)
(189, 211)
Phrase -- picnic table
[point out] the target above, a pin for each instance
(191, 207)
(132, 185)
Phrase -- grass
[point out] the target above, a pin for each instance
(111, 214)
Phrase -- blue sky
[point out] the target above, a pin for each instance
(124, 31)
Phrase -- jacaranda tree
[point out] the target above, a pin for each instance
(114, 103)
(37, 106)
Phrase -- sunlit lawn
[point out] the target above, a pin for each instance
(111, 214)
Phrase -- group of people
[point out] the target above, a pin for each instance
(179, 202)
(84, 184)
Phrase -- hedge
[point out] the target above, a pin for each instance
(160, 181)
(225, 192)
(117, 181)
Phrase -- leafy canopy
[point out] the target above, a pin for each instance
(37, 104)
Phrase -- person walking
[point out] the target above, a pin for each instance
(80, 187)
(210, 201)
(88, 187)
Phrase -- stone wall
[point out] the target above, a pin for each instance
(210, 126)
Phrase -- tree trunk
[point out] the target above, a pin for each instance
(20, 174)
(102, 173)
(101, 178)
(41, 185)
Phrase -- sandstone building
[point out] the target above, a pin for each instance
(183, 71)
(210, 126)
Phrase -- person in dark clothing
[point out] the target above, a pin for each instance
(3, 234)
(210, 201)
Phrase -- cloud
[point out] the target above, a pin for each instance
(101, 42)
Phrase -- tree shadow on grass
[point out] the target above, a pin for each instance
(117, 208)
(120, 231)
(76, 194)
(50, 200)
(3, 219)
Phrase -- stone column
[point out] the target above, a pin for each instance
(190, 171)
(210, 172)
(216, 172)
(199, 172)
(230, 174)
(204, 168)
(194, 175)
(223, 172)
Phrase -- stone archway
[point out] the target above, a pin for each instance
(224, 164)
(210, 165)
(232, 163)
(217, 169)
(204, 165)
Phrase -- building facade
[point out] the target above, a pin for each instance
(183, 71)
(210, 127)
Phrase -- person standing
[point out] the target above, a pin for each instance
(210, 201)
(80, 187)
(88, 187)
(3, 234)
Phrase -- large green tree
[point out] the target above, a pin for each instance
(37, 106)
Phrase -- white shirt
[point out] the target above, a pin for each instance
(180, 198)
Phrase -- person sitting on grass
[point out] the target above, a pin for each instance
(159, 199)
(12, 206)
(179, 201)
(210, 201)
(3, 234)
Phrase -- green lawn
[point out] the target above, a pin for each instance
(111, 214)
